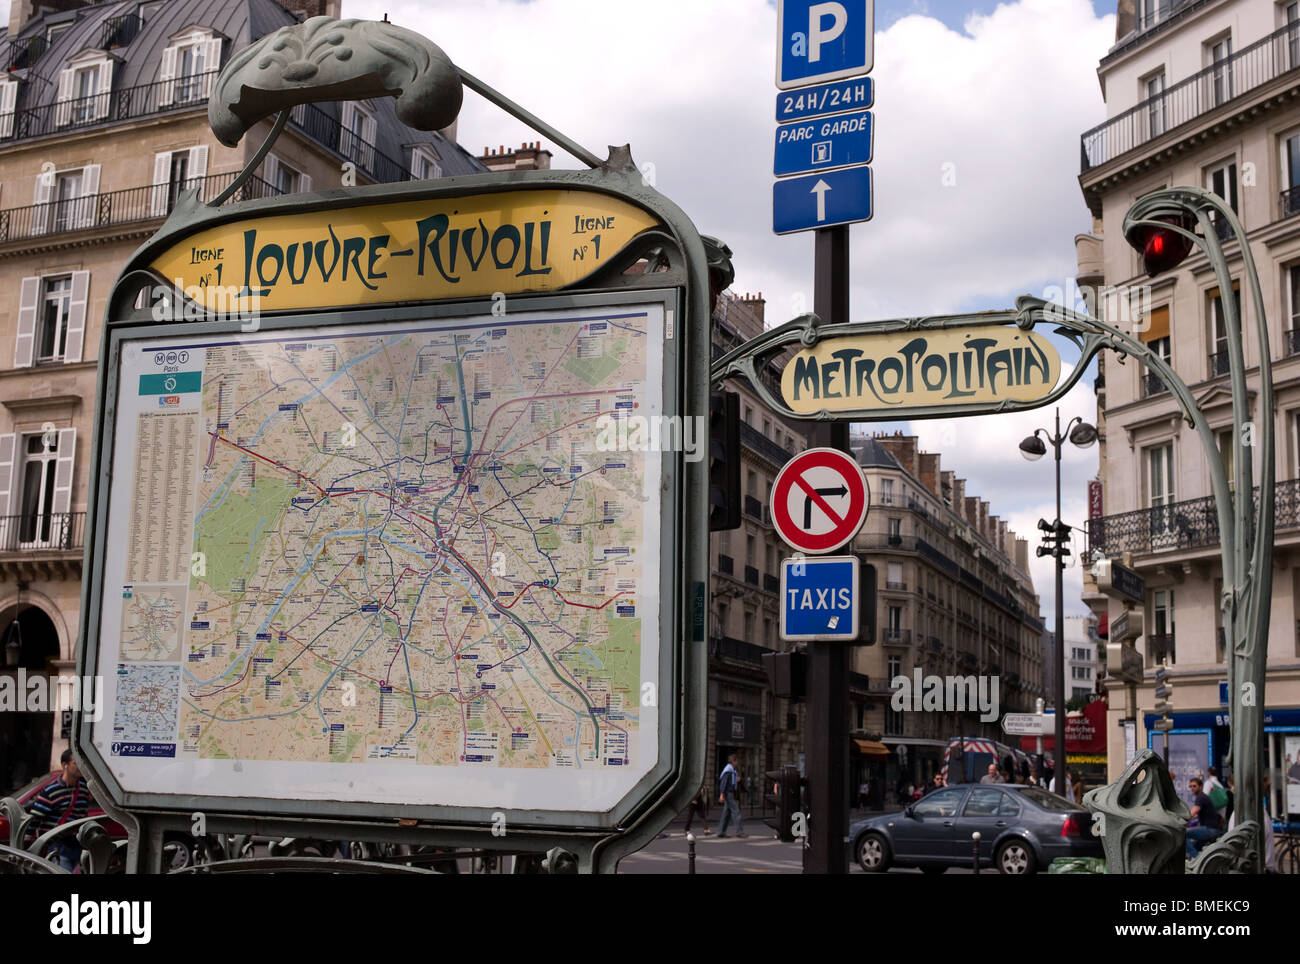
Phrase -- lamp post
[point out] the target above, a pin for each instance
(1082, 434)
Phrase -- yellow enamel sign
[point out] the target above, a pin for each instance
(909, 369)
(463, 247)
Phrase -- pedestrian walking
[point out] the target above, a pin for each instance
(62, 800)
(729, 797)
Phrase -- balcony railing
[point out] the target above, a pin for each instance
(191, 92)
(1218, 363)
(1191, 524)
(117, 207)
(763, 445)
(897, 637)
(1160, 646)
(58, 532)
(727, 647)
(1250, 67)
(753, 508)
(897, 586)
(726, 564)
(751, 575)
(19, 54)
(119, 31)
(771, 583)
(1290, 202)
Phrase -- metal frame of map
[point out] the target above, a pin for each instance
(598, 841)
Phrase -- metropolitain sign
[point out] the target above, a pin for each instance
(908, 369)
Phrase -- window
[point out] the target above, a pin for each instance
(83, 90)
(425, 163)
(1290, 171)
(751, 484)
(941, 803)
(357, 136)
(65, 200)
(749, 627)
(1150, 12)
(767, 427)
(895, 624)
(190, 62)
(1155, 88)
(894, 576)
(284, 178)
(771, 559)
(1222, 180)
(721, 624)
(886, 491)
(1220, 78)
(1158, 468)
(767, 632)
(895, 531)
(895, 667)
(36, 486)
(1218, 359)
(749, 550)
(173, 172)
(1080, 672)
(1162, 626)
(56, 303)
(1291, 19)
(51, 319)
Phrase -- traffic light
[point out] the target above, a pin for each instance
(1164, 699)
(1056, 539)
(724, 461)
(1162, 249)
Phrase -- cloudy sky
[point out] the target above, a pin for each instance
(979, 108)
(994, 96)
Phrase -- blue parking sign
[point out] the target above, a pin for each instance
(820, 598)
(820, 40)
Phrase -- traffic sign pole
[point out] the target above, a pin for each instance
(826, 735)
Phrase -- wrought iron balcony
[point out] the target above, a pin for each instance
(753, 508)
(726, 564)
(726, 647)
(1152, 385)
(189, 92)
(933, 644)
(896, 637)
(897, 586)
(22, 53)
(1251, 67)
(763, 445)
(1160, 646)
(751, 575)
(50, 532)
(1217, 364)
(1191, 524)
(119, 31)
(1290, 202)
(771, 583)
(154, 201)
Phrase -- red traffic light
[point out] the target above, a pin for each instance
(1162, 249)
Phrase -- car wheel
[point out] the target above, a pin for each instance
(177, 854)
(873, 853)
(1015, 857)
(933, 869)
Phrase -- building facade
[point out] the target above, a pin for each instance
(954, 599)
(103, 122)
(1081, 673)
(1204, 93)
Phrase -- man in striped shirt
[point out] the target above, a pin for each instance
(63, 799)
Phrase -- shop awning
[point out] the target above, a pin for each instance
(870, 748)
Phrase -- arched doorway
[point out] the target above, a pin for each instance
(28, 642)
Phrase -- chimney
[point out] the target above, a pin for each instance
(959, 496)
(22, 12)
(1126, 18)
(903, 449)
(973, 512)
(1022, 554)
(314, 8)
(929, 474)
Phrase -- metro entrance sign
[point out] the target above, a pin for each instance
(819, 500)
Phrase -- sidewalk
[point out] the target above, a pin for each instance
(754, 824)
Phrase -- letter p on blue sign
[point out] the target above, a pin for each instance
(821, 40)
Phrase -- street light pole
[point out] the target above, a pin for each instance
(1082, 434)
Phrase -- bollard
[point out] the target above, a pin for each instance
(690, 853)
(975, 850)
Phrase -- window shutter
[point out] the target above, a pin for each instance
(271, 170)
(62, 502)
(44, 185)
(162, 172)
(63, 99)
(25, 346)
(166, 74)
(89, 200)
(104, 88)
(8, 445)
(1158, 325)
(304, 183)
(198, 166)
(211, 64)
(8, 100)
(76, 318)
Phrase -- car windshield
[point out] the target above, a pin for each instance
(1048, 801)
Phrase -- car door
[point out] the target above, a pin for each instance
(988, 811)
(926, 831)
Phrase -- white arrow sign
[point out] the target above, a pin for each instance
(820, 189)
(1024, 724)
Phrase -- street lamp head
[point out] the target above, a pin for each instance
(1083, 435)
(1032, 448)
(1161, 248)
